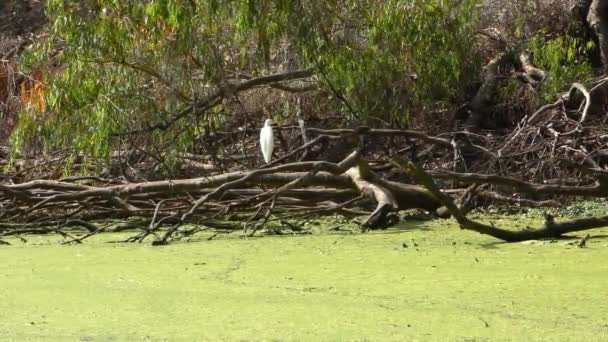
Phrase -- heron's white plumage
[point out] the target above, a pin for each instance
(267, 140)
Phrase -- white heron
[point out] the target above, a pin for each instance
(267, 140)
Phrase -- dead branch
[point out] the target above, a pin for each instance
(523, 186)
(205, 200)
(550, 229)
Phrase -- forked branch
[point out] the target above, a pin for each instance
(551, 229)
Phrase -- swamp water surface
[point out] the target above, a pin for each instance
(425, 281)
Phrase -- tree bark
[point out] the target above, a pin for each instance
(597, 18)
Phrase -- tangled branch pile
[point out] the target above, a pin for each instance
(559, 143)
(160, 122)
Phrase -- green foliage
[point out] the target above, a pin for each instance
(596, 207)
(581, 208)
(113, 66)
(431, 39)
(563, 59)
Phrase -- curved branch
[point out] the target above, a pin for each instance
(553, 189)
(550, 229)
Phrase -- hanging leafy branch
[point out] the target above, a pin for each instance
(114, 67)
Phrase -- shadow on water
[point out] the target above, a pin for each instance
(495, 244)
(492, 245)
(402, 227)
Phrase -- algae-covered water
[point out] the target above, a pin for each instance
(417, 282)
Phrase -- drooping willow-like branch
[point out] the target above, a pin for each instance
(225, 90)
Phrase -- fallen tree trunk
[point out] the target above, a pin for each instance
(33, 203)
